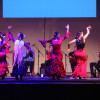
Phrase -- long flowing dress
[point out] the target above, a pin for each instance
(56, 68)
(18, 62)
(4, 48)
(80, 70)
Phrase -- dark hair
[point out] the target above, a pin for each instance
(56, 33)
(78, 34)
(21, 35)
(50, 45)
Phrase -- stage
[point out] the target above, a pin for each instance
(44, 88)
(46, 80)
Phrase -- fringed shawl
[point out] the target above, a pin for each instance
(18, 51)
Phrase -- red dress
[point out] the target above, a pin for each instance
(80, 70)
(49, 55)
(3, 62)
(56, 67)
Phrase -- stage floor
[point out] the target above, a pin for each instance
(47, 80)
(48, 89)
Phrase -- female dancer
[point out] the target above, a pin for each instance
(4, 48)
(18, 63)
(80, 70)
(56, 68)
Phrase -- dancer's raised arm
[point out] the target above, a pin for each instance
(67, 27)
(88, 32)
(9, 35)
(67, 33)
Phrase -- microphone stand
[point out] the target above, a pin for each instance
(65, 60)
(38, 56)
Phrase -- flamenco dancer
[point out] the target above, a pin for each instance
(80, 69)
(56, 68)
(4, 48)
(18, 62)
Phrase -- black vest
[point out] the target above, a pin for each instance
(80, 44)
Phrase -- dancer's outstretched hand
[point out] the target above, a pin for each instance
(9, 27)
(67, 26)
(89, 27)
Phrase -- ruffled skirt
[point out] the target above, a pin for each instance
(3, 64)
(3, 67)
(19, 69)
(56, 69)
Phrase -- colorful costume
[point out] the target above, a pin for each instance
(49, 55)
(3, 62)
(56, 68)
(80, 70)
(18, 63)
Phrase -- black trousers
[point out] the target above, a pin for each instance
(92, 66)
(73, 64)
(29, 63)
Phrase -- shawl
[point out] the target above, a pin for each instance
(18, 51)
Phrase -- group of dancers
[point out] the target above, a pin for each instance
(56, 66)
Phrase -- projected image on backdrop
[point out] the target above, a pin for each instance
(48, 8)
